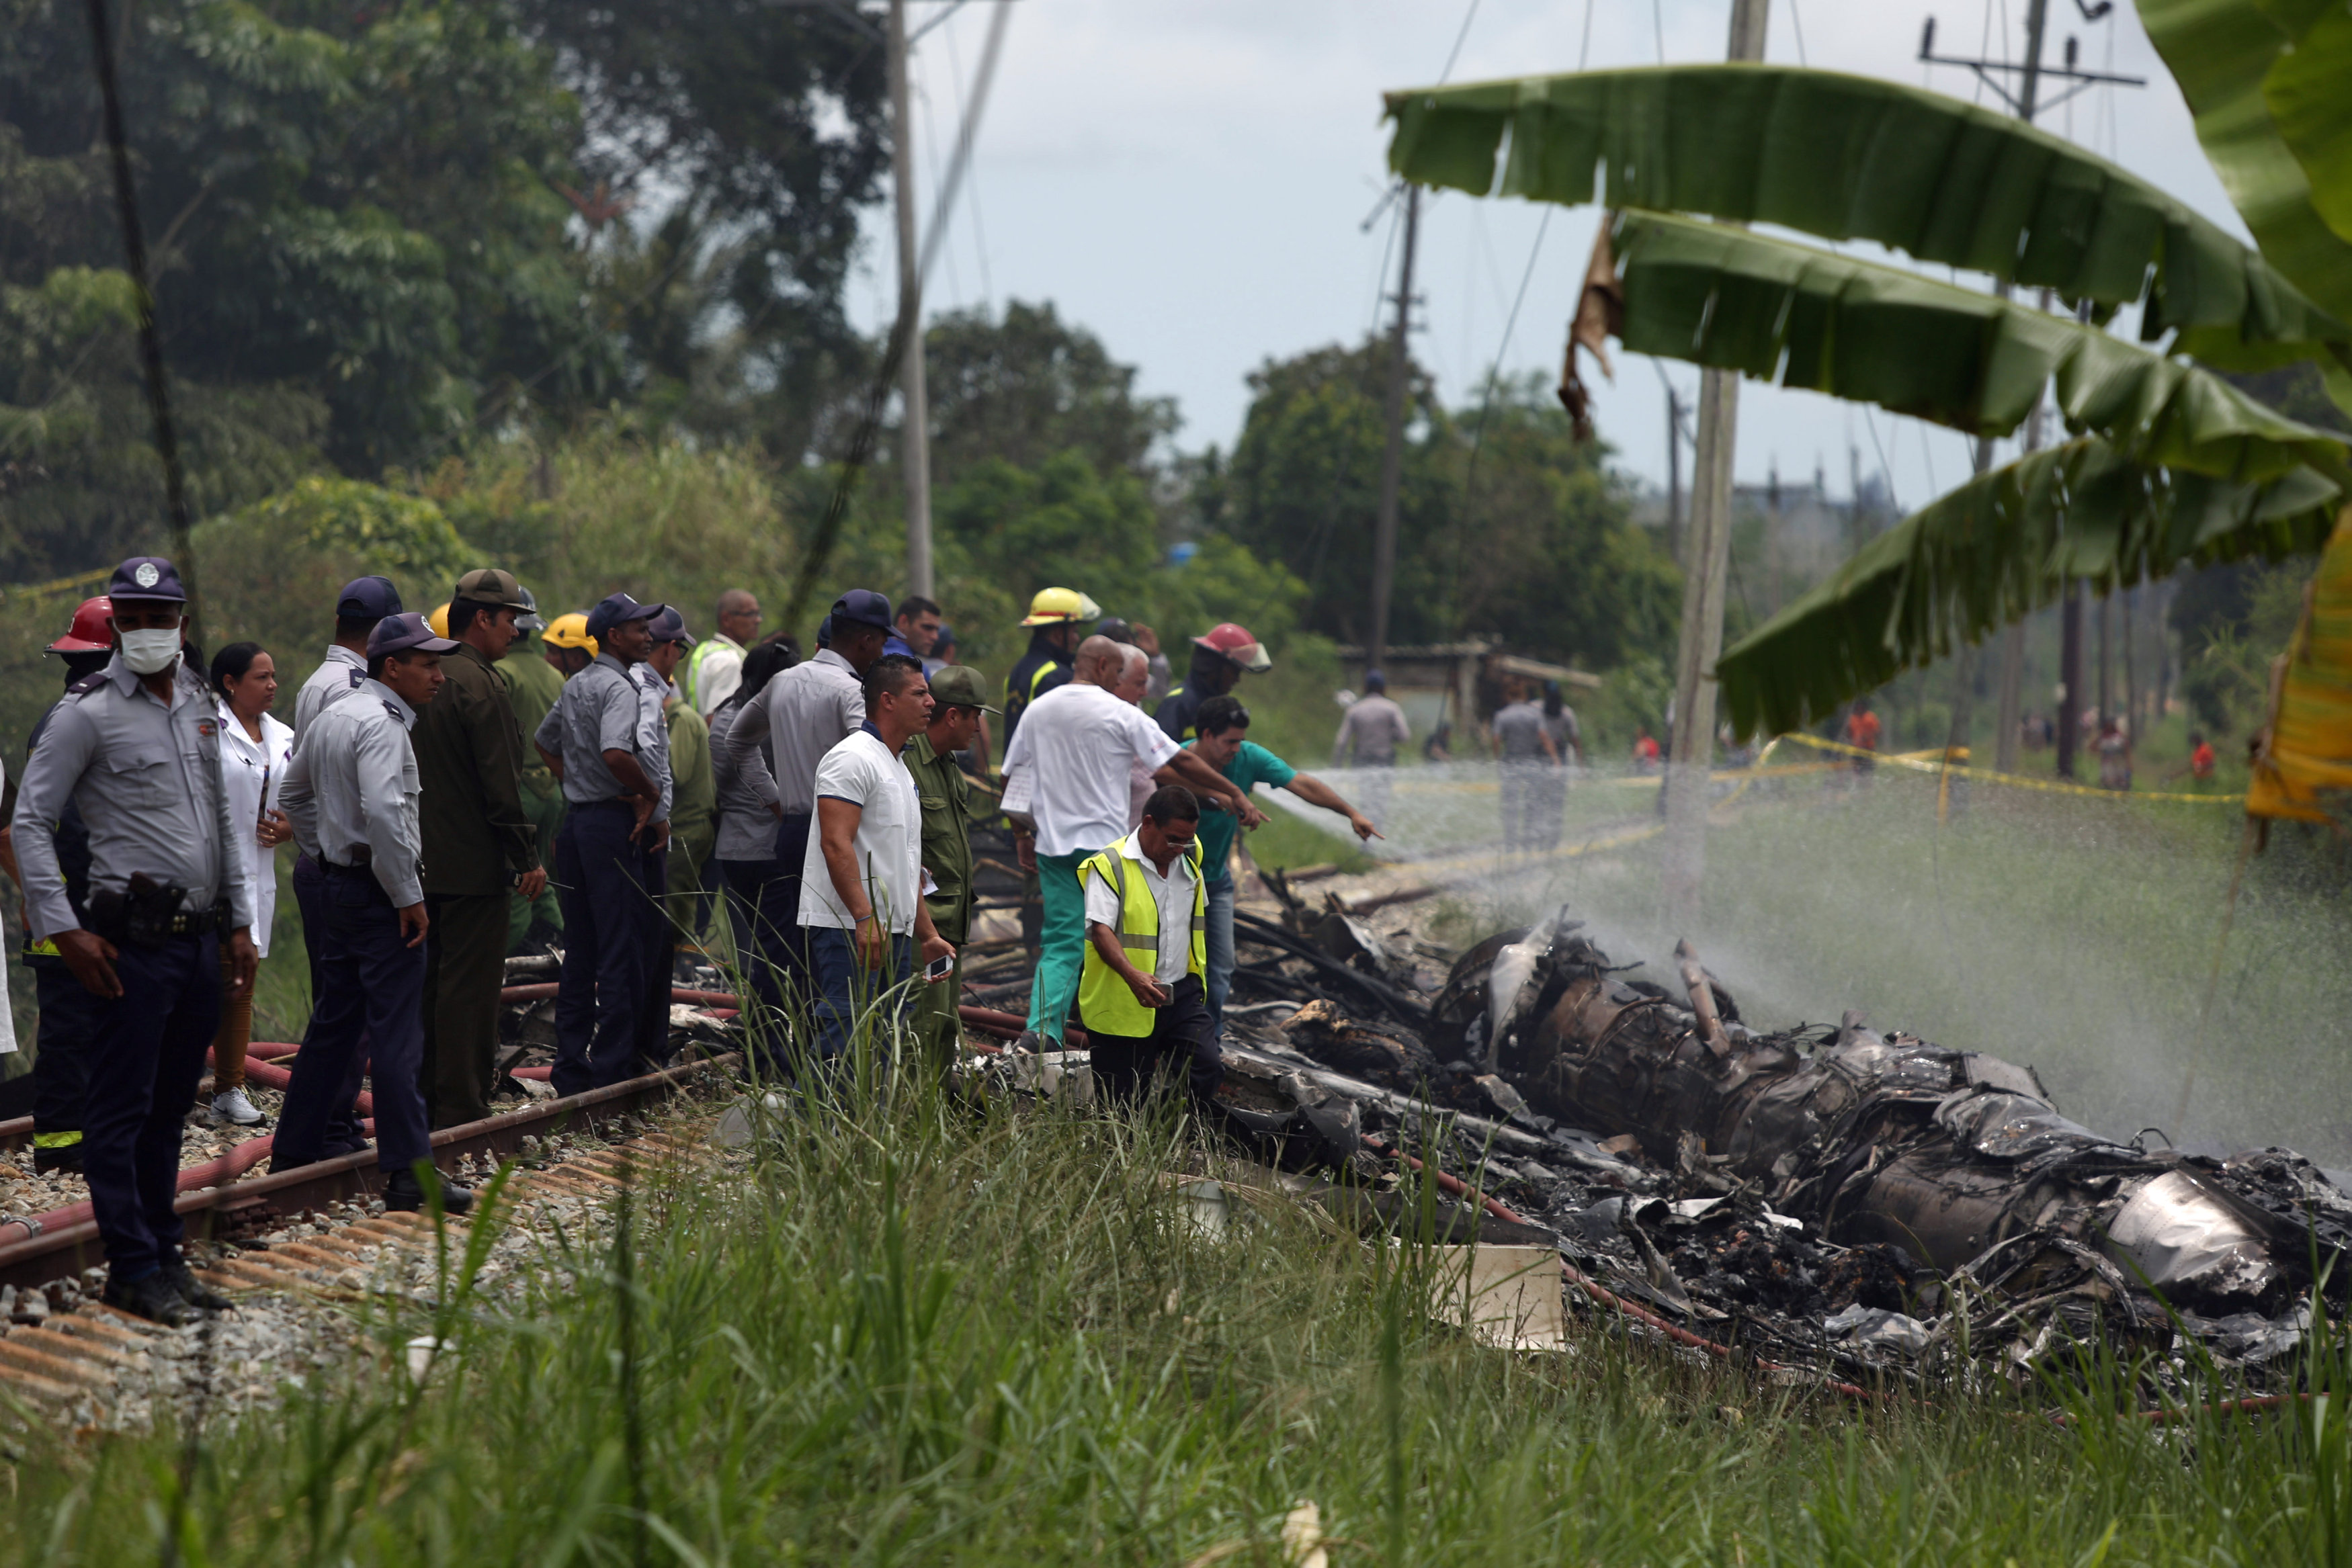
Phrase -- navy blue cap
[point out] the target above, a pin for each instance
(616, 609)
(146, 577)
(409, 633)
(862, 607)
(367, 598)
(824, 633)
(669, 626)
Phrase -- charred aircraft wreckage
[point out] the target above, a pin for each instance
(1838, 1197)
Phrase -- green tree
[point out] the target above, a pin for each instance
(1028, 387)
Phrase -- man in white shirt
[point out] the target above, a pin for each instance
(1370, 733)
(861, 882)
(716, 666)
(1145, 905)
(1072, 756)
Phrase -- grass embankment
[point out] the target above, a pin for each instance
(922, 1340)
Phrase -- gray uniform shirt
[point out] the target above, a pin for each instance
(602, 710)
(330, 684)
(1519, 732)
(804, 713)
(352, 783)
(1370, 731)
(147, 780)
(653, 735)
(744, 785)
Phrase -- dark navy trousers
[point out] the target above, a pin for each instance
(757, 905)
(786, 944)
(61, 1066)
(343, 1128)
(613, 930)
(847, 995)
(372, 999)
(146, 1055)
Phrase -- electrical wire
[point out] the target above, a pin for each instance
(1870, 421)
(1799, 26)
(1658, 26)
(971, 181)
(1459, 39)
(1584, 50)
(1486, 403)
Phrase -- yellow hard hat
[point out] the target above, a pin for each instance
(569, 632)
(1054, 605)
(439, 621)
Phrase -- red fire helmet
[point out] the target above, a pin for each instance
(89, 633)
(1237, 643)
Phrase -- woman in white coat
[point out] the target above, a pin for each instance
(255, 749)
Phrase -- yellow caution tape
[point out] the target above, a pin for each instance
(1919, 762)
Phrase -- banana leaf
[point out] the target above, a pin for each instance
(2309, 91)
(2239, 64)
(1786, 312)
(1848, 157)
(1999, 548)
(2303, 770)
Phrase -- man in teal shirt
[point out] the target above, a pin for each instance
(1224, 744)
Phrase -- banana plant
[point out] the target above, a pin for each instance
(2167, 463)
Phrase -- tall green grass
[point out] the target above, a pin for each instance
(916, 1334)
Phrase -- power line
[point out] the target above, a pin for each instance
(1459, 39)
(1797, 24)
(979, 228)
(1584, 50)
(1486, 403)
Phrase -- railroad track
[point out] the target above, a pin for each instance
(309, 1237)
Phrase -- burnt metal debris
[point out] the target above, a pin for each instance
(1853, 1201)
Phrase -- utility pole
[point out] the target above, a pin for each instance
(1706, 566)
(2027, 102)
(915, 398)
(1674, 473)
(1384, 526)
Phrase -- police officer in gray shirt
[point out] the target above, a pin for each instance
(137, 747)
(363, 602)
(351, 792)
(610, 870)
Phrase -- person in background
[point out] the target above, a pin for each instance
(68, 1012)
(1220, 656)
(1861, 732)
(359, 608)
(1071, 757)
(916, 629)
(861, 884)
(1056, 620)
(1142, 991)
(167, 892)
(653, 693)
(352, 793)
(743, 789)
(1439, 747)
(533, 685)
(1225, 745)
(804, 713)
(1523, 748)
(2115, 756)
(1370, 733)
(2199, 766)
(1645, 750)
(1550, 794)
(480, 850)
(694, 801)
(717, 664)
(1134, 684)
(567, 644)
(959, 699)
(1159, 676)
(255, 749)
(593, 741)
(943, 653)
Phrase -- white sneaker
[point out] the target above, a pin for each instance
(236, 1110)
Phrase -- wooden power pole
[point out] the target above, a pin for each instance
(1707, 562)
(916, 399)
(1384, 525)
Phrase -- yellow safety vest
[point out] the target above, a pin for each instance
(703, 650)
(1105, 1000)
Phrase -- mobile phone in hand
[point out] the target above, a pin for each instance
(940, 968)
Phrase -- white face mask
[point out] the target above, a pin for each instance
(151, 653)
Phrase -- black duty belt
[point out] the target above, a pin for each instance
(361, 859)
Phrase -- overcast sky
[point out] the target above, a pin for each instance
(1190, 179)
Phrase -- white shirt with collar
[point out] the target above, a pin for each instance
(802, 714)
(866, 773)
(1077, 744)
(1172, 894)
(337, 677)
(254, 772)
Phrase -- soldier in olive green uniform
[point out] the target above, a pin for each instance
(959, 695)
(535, 684)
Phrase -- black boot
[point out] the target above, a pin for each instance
(152, 1298)
(64, 1158)
(193, 1290)
(401, 1195)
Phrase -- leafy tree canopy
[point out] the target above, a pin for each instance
(1029, 386)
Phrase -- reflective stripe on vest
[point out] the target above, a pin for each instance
(1105, 1000)
(702, 651)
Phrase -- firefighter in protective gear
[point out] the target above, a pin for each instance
(1057, 618)
(568, 647)
(1142, 990)
(1220, 656)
